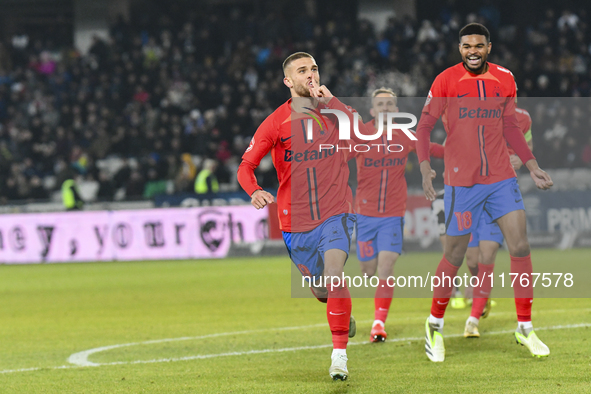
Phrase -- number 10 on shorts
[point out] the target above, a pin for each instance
(464, 220)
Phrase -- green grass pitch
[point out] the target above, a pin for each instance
(231, 326)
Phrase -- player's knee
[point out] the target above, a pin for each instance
(487, 258)
(471, 261)
(369, 267)
(520, 248)
(455, 256)
(369, 271)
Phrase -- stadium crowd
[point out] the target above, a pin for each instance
(166, 88)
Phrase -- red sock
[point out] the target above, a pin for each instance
(442, 293)
(383, 300)
(482, 291)
(338, 313)
(524, 296)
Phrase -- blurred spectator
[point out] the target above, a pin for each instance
(70, 194)
(206, 181)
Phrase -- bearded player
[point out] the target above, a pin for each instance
(476, 100)
(380, 203)
(314, 199)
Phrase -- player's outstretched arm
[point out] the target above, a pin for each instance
(428, 176)
(540, 177)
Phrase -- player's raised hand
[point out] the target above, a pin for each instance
(320, 92)
(261, 198)
(541, 178)
(428, 175)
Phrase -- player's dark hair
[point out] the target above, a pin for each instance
(295, 56)
(474, 28)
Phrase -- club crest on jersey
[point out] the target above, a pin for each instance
(497, 91)
(429, 97)
(250, 146)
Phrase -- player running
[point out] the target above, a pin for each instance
(380, 204)
(314, 199)
(476, 100)
(486, 240)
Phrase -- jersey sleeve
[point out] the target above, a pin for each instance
(527, 130)
(260, 144)
(437, 98)
(434, 107)
(511, 131)
(263, 140)
(435, 150)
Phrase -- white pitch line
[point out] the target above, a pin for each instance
(289, 349)
(262, 351)
(81, 358)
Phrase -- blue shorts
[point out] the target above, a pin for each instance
(464, 206)
(307, 249)
(486, 232)
(375, 235)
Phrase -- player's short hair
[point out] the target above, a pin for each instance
(295, 56)
(474, 28)
(384, 90)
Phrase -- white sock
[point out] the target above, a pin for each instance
(436, 320)
(473, 320)
(525, 325)
(338, 352)
(377, 322)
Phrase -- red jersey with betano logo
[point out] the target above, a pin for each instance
(472, 108)
(381, 185)
(313, 175)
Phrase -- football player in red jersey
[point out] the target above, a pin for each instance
(476, 100)
(380, 203)
(486, 240)
(314, 199)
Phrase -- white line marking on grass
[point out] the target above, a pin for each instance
(243, 353)
(81, 358)
(290, 349)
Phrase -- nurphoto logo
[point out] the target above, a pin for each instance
(345, 131)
